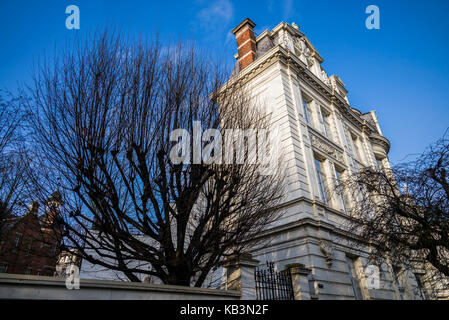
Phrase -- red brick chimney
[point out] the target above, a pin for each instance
(246, 42)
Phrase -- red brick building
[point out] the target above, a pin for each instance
(30, 243)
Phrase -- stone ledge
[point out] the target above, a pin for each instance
(297, 268)
(243, 260)
(31, 280)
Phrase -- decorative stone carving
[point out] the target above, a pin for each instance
(310, 61)
(325, 78)
(327, 248)
(286, 41)
(300, 45)
(333, 83)
(307, 53)
(325, 147)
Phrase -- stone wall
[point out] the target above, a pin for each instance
(13, 286)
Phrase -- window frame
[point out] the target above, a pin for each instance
(17, 240)
(398, 281)
(356, 283)
(355, 142)
(379, 163)
(321, 179)
(306, 109)
(325, 117)
(338, 172)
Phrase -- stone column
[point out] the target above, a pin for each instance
(300, 281)
(240, 275)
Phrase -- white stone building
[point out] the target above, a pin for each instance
(323, 138)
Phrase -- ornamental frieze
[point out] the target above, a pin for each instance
(326, 147)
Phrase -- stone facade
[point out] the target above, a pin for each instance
(323, 139)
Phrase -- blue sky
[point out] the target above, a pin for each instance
(401, 70)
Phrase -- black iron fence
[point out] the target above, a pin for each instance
(273, 285)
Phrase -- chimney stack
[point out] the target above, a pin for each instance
(34, 207)
(53, 204)
(246, 42)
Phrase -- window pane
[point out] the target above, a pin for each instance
(341, 192)
(379, 164)
(354, 279)
(397, 281)
(355, 142)
(17, 240)
(306, 110)
(326, 127)
(321, 180)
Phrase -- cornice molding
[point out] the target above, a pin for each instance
(381, 141)
(330, 94)
(278, 54)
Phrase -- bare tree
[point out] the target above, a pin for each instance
(404, 211)
(104, 116)
(13, 162)
(37, 233)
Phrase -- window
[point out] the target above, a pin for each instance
(29, 248)
(53, 249)
(17, 240)
(355, 143)
(321, 180)
(397, 281)
(3, 268)
(312, 289)
(45, 245)
(28, 271)
(379, 164)
(421, 290)
(355, 281)
(341, 191)
(48, 270)
(326, 126)
(306, 106)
